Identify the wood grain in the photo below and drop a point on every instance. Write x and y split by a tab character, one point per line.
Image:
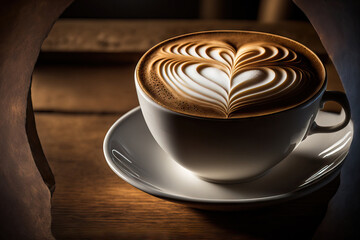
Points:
70	35
113	46
101	88
92	202
24	197
84	88
77	103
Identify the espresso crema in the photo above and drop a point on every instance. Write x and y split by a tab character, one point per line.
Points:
230	74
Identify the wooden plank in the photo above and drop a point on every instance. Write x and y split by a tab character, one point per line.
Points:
70	35
100	88
25	200
108	88
91	88
91	202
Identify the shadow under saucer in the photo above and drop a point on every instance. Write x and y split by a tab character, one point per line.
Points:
134	155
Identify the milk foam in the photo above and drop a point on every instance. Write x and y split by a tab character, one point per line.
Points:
214	74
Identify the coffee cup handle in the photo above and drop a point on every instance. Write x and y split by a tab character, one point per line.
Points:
340	98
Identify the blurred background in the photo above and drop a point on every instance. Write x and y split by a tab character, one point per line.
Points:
120	26
262	10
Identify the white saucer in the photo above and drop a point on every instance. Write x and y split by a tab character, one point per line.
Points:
133	154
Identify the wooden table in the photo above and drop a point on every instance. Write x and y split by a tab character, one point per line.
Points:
82	84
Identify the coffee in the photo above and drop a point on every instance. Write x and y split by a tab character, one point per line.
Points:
230	74
209	77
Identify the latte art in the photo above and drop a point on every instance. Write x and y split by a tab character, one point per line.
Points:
222	79
217	75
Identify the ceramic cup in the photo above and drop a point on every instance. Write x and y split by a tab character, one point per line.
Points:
235	150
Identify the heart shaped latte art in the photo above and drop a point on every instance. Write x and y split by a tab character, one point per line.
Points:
221	77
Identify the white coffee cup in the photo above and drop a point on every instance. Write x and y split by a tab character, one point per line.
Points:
238	149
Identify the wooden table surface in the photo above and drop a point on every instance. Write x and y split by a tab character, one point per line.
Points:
82	84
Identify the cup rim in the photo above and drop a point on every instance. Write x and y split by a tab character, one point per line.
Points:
304	104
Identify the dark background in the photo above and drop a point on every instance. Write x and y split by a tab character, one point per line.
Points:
160	9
